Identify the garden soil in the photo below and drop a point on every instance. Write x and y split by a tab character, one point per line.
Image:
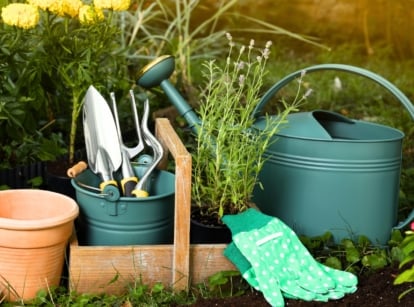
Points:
375	289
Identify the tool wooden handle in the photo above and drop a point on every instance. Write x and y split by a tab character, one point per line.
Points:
76	169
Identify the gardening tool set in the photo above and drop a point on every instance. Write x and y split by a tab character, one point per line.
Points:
339	155
107	154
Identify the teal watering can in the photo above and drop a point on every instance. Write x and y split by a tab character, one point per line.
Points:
324	172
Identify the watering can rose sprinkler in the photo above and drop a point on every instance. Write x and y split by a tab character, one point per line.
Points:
157	72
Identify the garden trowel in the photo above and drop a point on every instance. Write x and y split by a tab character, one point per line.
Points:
101	139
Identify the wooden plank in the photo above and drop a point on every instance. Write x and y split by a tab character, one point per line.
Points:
110	269
206	260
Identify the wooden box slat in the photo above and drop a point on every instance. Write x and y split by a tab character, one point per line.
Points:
110	269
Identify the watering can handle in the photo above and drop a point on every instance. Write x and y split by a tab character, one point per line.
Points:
341	67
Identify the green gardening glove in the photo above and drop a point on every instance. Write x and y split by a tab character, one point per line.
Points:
242	264
279	260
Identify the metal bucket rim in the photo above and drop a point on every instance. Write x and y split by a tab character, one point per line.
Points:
85	191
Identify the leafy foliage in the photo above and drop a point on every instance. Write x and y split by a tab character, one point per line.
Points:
358	257
407	262
23	112
46	71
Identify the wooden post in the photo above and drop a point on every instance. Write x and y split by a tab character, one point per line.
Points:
181	251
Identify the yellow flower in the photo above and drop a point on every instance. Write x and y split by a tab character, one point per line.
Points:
59	7
21	15
89	14
43	4
116	5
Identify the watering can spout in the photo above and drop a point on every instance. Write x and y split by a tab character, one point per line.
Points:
184	109
156	73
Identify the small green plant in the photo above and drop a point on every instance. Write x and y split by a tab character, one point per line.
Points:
229	151
225	283
407	246
355	256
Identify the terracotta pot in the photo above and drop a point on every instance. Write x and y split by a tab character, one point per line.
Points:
35	226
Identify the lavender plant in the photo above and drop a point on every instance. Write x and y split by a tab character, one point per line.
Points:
229	153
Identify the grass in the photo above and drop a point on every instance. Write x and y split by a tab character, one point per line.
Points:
222	284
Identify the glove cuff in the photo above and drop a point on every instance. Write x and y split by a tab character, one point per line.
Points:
246	221
237	258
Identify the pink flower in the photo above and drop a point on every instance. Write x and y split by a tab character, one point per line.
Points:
412	226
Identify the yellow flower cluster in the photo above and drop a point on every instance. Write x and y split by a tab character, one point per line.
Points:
89	14
116	5
21	15
26	15
60	7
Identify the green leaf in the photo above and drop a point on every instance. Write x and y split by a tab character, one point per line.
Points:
114	279
218	279
334	263
404	293
396	254
157	288
352	255
407	259
347	243
374	261
396	238
222	277
408	245
35	181
406	276
363	241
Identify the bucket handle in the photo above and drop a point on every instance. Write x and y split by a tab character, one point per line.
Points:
397	93
341	67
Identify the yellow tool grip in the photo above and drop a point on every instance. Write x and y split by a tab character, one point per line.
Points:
106	183
140	193
128	185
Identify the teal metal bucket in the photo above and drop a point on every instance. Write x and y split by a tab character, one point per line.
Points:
325	172
113	220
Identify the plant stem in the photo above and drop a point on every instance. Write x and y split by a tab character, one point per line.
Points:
76	107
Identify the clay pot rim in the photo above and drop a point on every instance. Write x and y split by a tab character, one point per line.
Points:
43	223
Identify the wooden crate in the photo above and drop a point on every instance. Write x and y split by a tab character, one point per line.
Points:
109	269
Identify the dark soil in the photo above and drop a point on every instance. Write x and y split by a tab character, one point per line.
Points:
376	289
